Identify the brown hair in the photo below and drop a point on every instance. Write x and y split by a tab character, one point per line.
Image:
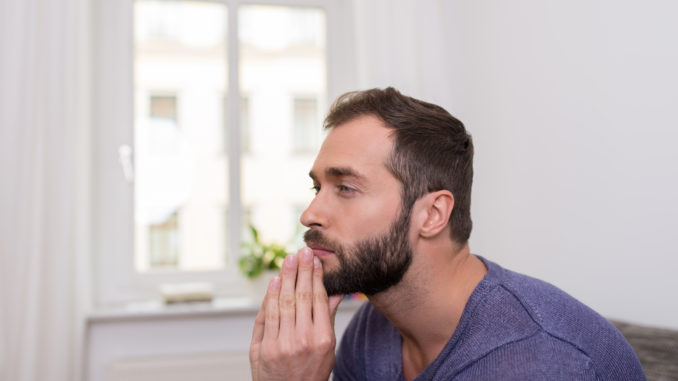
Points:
432	149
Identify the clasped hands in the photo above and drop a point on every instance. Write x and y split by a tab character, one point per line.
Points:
293	336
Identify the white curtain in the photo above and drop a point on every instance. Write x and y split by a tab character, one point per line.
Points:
44	207
405	44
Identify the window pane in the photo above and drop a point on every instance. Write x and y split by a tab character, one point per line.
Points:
305	124
181	169
282	72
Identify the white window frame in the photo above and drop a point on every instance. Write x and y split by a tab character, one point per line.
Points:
116	281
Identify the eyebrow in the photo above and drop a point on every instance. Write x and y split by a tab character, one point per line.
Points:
339	172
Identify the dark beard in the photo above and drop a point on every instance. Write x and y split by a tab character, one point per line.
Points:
370	266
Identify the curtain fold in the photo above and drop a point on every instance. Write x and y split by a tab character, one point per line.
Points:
44	196
405	44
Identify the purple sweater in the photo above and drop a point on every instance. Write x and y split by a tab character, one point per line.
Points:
513	328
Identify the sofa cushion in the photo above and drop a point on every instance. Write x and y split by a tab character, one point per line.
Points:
657	349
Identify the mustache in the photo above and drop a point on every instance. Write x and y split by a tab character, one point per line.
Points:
317	237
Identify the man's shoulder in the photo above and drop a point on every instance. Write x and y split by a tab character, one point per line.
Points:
511	322
559	321
547	307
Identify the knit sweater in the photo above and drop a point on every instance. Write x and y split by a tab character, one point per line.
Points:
513	327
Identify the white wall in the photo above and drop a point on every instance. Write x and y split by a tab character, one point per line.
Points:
574	111
179	342
573	106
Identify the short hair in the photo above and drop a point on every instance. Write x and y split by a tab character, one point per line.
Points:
432	150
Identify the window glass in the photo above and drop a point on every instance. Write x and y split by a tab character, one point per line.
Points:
305	125
181	180
181	172
282	71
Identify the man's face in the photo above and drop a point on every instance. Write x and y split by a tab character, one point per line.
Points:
357	227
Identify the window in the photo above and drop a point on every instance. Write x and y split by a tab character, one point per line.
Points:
305	124
180	187
277	62
245	125
163	107
218	106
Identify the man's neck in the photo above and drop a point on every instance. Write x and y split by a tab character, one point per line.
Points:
427	304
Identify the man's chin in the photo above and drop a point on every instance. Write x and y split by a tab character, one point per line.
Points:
334	285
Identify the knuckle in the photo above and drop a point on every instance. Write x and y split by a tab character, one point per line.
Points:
318	276
326	343
304	345
273	315
290	270
286	352
287	302
320	295
268	353
304	296
306	266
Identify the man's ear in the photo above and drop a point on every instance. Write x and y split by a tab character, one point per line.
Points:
438	208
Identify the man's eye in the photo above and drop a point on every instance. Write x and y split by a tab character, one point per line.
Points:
315	189
345	189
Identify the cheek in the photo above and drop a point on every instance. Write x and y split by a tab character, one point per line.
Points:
371	216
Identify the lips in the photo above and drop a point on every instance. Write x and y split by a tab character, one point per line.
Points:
319	250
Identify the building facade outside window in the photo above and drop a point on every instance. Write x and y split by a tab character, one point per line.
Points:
204	167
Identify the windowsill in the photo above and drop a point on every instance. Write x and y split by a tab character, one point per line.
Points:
158	310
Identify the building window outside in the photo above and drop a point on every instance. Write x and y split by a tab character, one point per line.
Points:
278	62
305	124
163	242
163	107
162	237
182	165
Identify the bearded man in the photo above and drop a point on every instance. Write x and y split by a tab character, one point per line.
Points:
391	218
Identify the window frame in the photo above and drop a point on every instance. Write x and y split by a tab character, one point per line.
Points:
116	281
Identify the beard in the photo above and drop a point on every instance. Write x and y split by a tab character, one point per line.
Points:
369	266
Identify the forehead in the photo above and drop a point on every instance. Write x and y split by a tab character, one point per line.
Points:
362	144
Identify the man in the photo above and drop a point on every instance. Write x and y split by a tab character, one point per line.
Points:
391	219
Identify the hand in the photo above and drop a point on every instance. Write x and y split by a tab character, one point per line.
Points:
293	337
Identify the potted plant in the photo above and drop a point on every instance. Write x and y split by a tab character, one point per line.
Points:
260	262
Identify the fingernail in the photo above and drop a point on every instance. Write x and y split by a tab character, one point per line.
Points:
316	262
275	282
291	260
306	255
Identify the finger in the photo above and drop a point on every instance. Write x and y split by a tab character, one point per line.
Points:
287	296
334	306
304	288
260	321
257	337
272	310
321	318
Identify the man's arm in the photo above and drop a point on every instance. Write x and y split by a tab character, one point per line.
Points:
293	337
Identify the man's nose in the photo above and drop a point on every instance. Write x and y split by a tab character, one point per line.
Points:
314	215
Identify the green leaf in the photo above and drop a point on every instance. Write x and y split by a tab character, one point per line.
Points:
255	233
257	256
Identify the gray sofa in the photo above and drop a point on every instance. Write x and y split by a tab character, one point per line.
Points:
656	348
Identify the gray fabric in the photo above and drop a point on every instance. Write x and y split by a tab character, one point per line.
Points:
656	348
